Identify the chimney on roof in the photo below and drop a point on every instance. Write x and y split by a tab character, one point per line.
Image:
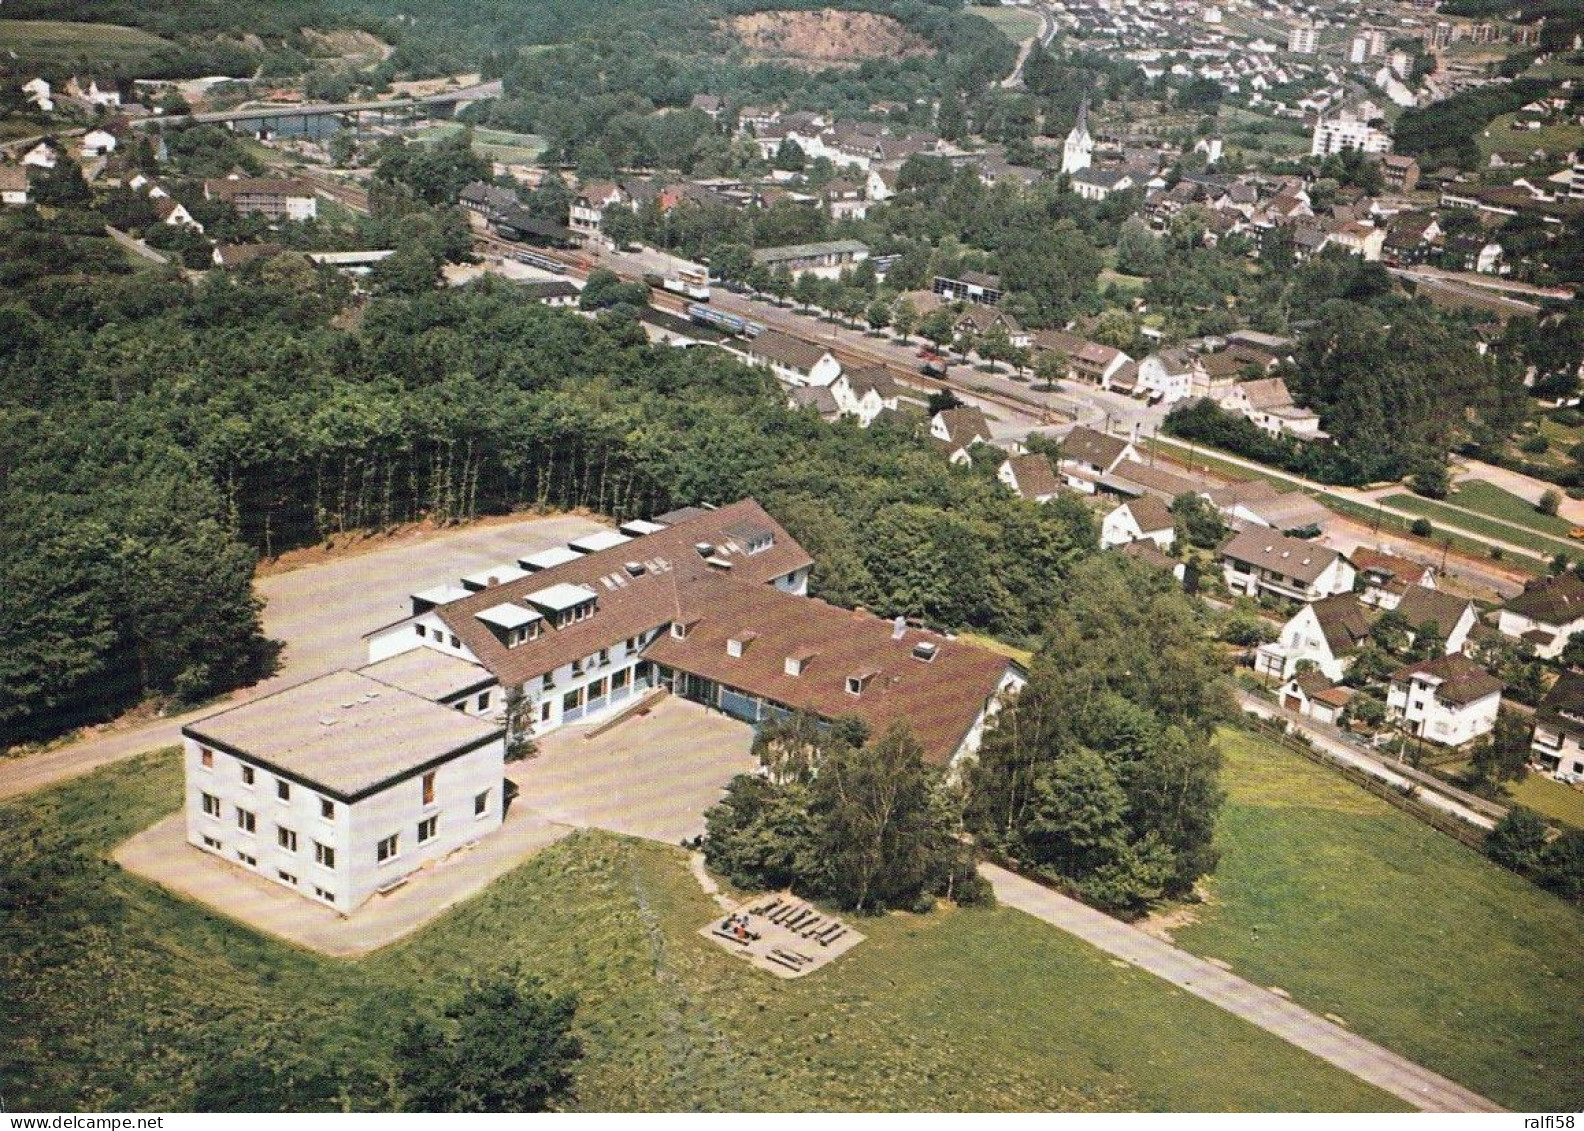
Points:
899	627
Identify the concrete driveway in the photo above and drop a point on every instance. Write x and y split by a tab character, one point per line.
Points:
650	776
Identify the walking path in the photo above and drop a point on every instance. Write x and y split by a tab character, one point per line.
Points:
1264	1008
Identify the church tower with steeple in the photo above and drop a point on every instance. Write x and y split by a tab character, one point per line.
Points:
1077	151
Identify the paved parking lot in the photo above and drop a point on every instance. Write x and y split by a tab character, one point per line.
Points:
651	776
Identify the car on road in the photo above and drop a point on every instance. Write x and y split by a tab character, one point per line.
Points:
928	354
933	369
1576	532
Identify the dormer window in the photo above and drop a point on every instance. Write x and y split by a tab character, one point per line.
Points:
738	644
681	628
858	681
797	663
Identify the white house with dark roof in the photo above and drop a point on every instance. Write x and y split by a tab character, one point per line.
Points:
1558	743
1031	476
1143	519
1088	455
1267	403
1314	696
15	185
1168	375
1449	700
955	431
1326	633
1546	614
1262	561
1447	617
342	786
865	393
793	361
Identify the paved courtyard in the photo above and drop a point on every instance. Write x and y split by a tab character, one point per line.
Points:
651	775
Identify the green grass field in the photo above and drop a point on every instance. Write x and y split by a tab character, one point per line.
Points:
59	42
496	145
121	997
1017	24
1489	499
1481	525
1550	797
1417	942
1559	139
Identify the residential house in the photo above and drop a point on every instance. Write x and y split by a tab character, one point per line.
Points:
41	156
845	200
1100	365
1169	375
1149	554
1546	614
956	430
1399	173
171	211
1449	700
1088	455
865	394
1326	633
550	292
15	185
817	399
586	214
94	92
976	321
1031	476
1356	238
487	200
274	198
1558	744
1143	519
711	104
1216	374
881	184
38	92
1442	615
1258	561
1386	578
98	143
232	256
793	360
1315	697
1267	403
342	786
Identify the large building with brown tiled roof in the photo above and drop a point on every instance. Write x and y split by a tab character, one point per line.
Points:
1449	700
1546	614
709	603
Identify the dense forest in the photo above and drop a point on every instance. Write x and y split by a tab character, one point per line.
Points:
159	435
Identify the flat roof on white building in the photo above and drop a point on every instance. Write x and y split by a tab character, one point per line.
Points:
430	673
562	596
345	733
507	616
638	527
599	540
548	559
442	594
494	575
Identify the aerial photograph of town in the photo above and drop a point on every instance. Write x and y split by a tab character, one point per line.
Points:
791	556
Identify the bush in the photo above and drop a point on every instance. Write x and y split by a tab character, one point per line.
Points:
1549	502
1421	528
1535	445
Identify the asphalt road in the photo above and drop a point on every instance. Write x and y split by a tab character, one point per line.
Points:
320	612
1275	1014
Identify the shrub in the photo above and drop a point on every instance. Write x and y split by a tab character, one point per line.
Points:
1550	501
1535	445
1421	528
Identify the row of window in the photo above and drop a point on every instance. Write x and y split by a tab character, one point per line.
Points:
282	874
438	636
249	775
390	847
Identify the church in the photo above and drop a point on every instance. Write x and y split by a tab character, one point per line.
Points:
1078	150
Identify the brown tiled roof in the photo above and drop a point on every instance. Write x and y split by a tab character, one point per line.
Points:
939	700
236	254
1556	600
1134	475
1069	344
1291	557
1086	445
1034	475
1223	365
645	602
1563	705
1150	514
1265	394
874	377
1422	607
1462	680
13	178
1147	552
783	349
1395	574
965	425
1344	621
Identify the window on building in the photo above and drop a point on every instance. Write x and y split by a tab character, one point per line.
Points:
604	656
327	808
481	804
286	877
206	757
247	775
572	699
455	643
544	711
245	820
387	848
211	842
427	828
283	789
250	861
429	788
286	838
548	683
577	667
484	700
619	678
328	897
211	805
420	630
324	854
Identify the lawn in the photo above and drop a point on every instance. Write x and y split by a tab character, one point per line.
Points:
63	43
1017	24
1489	499
1417	942
130	999
1558	139
1481	525
1551	798
496	145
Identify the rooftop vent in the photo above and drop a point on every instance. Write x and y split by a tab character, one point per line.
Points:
705	549
634	569
899	627
925	650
